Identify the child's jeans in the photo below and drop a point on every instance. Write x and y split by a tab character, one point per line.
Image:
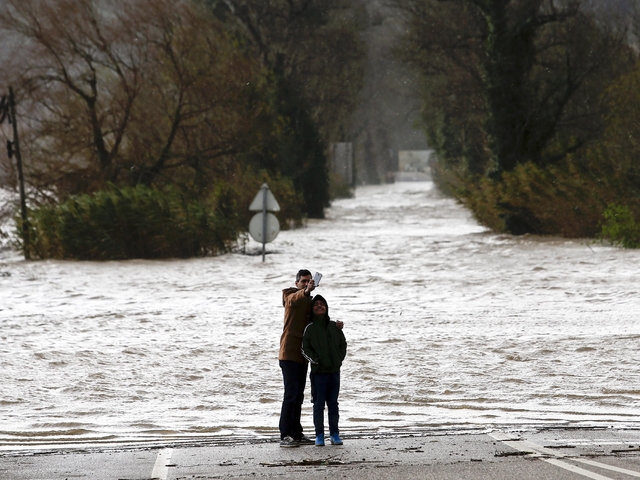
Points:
326	387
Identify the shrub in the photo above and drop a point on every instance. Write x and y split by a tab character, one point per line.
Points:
620	227
564	199
133	222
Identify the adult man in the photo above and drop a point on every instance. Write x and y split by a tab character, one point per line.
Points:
297	310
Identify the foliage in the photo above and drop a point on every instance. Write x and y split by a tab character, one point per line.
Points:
620	227
314	44
314	61
562	199
161	93
132	222
615	157
128	92
571	196
151	113
514	104
295	149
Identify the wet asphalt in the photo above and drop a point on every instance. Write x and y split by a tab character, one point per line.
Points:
558	453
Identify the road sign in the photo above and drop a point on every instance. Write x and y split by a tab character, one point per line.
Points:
261	234
264	201
264	226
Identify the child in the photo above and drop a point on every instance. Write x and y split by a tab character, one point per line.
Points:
324	345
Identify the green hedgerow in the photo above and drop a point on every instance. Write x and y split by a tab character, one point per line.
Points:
620	227
131	222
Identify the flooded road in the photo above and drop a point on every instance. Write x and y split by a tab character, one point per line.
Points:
449	327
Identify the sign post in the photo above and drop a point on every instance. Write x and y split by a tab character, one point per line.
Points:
264	226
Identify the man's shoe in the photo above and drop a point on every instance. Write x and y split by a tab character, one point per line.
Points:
305	440
289	442
335	439
319	440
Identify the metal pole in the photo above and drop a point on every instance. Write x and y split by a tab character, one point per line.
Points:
16	149
264	219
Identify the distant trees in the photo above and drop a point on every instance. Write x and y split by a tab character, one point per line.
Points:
513	89
314	57
313	44
613	162
128	92
176	96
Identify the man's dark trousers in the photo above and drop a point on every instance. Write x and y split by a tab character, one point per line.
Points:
294	375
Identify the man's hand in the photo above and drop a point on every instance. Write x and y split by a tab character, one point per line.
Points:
340	324
311	286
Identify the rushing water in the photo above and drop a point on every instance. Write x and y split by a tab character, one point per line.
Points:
449	327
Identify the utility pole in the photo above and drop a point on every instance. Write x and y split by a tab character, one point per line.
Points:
14	148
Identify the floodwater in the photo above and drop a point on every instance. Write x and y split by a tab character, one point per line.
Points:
449	328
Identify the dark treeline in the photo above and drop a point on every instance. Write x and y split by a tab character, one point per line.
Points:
146	123
530	106
128	107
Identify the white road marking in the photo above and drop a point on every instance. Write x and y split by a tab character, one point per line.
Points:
574	469
160	470
538	450
608	467
501	436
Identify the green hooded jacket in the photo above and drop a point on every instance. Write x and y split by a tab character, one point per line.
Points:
324	344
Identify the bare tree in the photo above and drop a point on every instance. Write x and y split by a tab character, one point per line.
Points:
126	91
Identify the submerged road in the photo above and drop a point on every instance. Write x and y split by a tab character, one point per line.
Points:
599	454
449	326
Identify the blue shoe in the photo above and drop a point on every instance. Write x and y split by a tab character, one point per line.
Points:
319	440
335	439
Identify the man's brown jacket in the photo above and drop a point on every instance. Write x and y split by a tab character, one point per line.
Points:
296	317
